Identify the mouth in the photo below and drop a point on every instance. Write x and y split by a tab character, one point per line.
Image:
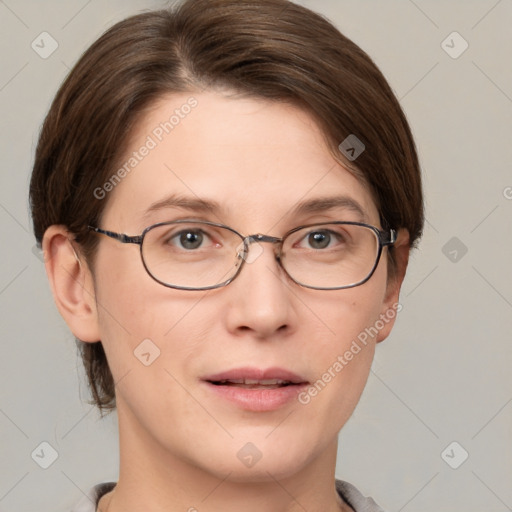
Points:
256	389
254	383
250	377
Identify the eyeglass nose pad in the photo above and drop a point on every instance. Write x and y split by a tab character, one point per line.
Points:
246	252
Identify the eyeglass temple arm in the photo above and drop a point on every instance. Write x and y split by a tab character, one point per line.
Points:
125	239
387	237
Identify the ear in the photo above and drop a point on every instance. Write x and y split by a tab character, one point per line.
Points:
71	283
391	305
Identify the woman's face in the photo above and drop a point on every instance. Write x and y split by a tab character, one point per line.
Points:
255	166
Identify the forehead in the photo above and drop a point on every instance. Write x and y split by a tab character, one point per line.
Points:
255	160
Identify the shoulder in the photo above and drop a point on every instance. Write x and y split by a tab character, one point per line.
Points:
355	499
90	501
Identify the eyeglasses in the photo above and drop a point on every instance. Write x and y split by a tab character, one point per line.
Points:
201	255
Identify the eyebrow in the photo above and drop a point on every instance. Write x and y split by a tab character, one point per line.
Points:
187	203
318	205
324	204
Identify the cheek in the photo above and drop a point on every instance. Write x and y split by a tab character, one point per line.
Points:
138	316
348	351
152	336
346	315
344	346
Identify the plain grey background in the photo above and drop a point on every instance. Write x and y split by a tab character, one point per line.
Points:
443	376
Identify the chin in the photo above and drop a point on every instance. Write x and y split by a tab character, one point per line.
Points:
269	470
259	459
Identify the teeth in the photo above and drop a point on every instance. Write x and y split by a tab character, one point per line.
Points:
251	381
265	382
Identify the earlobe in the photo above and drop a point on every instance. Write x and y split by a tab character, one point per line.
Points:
391	304
71	283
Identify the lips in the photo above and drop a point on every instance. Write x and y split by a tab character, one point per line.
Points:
255	378
254	383
254	389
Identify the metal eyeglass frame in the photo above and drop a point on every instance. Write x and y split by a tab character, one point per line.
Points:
385	238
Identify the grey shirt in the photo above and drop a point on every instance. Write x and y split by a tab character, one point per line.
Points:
346	491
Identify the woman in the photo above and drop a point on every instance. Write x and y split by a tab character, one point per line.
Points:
226	194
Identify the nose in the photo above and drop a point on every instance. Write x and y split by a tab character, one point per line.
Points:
261	301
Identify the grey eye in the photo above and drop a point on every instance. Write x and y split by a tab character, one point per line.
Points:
191	239
319	239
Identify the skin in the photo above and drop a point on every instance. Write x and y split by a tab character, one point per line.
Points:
178	442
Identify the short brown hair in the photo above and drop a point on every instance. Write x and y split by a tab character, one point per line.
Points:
271	49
